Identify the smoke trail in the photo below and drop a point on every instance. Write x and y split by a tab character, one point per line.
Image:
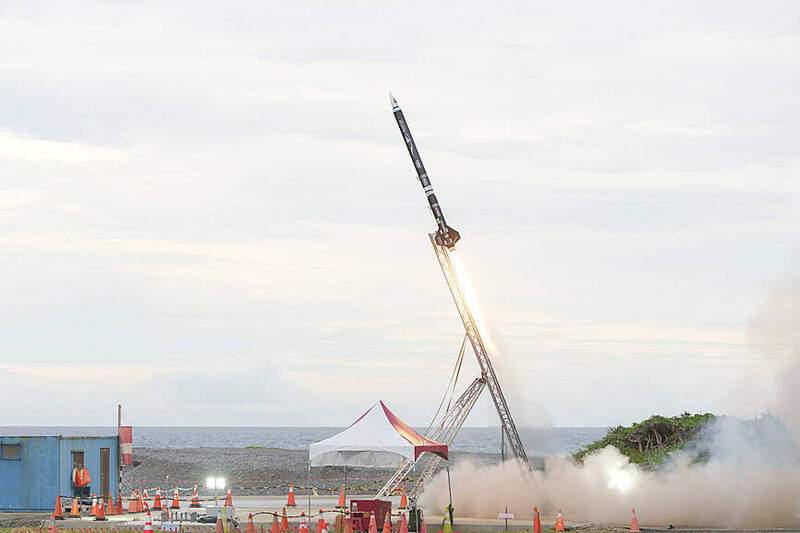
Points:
775	333
751	478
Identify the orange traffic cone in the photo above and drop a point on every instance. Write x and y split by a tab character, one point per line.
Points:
403	524
320	522
219	528
119	510
101	510
341	504
195	498
58	513
303	528
93	512
290	501
403	499
373	526
145	497
229	498
634	522
141	505
422	527
250	528
276	528
75	512
560	522
176	501
324	527
387	523
537	522
157	500
132	503
284	521
148	524
110	509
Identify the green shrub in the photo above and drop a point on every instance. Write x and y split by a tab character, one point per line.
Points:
650	442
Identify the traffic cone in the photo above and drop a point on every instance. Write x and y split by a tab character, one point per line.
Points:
634	522
219	528
537	523
145	497
447	527
58	513
403	524
101	510
250	528
119	509
110	509
290	501
148	523
422	527
176	501
132	503
229	498
303	528
341	504
75	512
226	520
276	528
403	499
387	523
51	525
141	505
195	498
324	527
157	500
284	521
373	526
320	522
93	512
560	522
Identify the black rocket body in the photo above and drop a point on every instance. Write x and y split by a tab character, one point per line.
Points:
445	235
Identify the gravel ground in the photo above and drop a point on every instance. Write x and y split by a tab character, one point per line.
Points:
253	471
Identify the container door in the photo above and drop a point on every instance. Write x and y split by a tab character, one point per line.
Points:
104	472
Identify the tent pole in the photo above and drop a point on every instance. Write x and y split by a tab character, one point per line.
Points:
345	486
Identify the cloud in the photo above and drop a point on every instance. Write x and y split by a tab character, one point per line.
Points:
29	148
193	182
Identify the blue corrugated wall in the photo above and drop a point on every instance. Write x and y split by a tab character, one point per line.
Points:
28	483
44	470
91	460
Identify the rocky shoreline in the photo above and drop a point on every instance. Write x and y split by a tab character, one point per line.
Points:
255	470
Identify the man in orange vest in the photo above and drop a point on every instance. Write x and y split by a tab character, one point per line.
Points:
81	480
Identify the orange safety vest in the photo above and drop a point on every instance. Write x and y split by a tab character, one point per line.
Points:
80	477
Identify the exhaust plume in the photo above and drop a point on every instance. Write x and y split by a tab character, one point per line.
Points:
750	476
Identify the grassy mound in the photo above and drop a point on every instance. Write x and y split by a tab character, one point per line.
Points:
650	442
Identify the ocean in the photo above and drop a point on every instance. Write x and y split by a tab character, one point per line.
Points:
540	442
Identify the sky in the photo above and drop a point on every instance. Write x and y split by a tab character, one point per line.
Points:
207	212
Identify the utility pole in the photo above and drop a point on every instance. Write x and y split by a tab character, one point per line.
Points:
119	450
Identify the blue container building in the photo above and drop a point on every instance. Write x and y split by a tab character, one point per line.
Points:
35	470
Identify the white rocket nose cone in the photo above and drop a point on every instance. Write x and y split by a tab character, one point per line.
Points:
393	101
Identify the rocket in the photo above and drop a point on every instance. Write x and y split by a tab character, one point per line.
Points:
445	235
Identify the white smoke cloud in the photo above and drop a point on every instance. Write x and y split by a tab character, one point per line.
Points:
750	475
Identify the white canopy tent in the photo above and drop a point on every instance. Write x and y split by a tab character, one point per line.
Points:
378	439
